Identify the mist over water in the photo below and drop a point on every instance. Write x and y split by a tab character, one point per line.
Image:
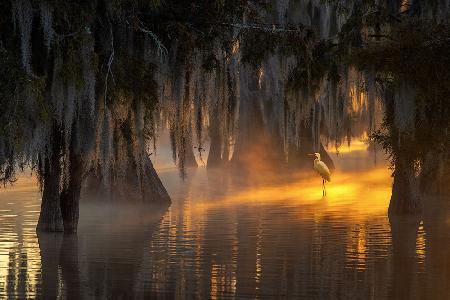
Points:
227	236
173	141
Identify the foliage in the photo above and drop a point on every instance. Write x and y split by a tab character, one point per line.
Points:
418	53
80	60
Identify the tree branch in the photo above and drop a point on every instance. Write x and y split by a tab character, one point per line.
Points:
162	50
273	28
110	61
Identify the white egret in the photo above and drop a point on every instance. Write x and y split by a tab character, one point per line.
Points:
323	170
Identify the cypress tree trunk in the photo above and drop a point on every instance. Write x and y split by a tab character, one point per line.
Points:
134	178
70	197
140	183
405	197
153	189
50	218
435	173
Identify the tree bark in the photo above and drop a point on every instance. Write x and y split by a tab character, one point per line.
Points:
435	175
70	197
131	188
153	191
405	196
50	218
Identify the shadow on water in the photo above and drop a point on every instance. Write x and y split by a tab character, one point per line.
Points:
104	260
421	268
404	236
436	222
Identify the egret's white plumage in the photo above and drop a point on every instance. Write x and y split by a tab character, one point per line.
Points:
322	169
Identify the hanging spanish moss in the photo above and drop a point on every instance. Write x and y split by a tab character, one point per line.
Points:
94	84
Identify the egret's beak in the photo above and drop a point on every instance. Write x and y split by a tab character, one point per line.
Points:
311	154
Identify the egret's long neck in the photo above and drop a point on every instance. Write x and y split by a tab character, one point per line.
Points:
316	161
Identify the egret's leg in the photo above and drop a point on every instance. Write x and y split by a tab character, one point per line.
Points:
323	188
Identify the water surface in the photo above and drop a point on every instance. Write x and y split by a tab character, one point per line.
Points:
227	235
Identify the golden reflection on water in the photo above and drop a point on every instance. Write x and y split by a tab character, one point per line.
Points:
19	251
232	237
421	246
366	191
284	207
